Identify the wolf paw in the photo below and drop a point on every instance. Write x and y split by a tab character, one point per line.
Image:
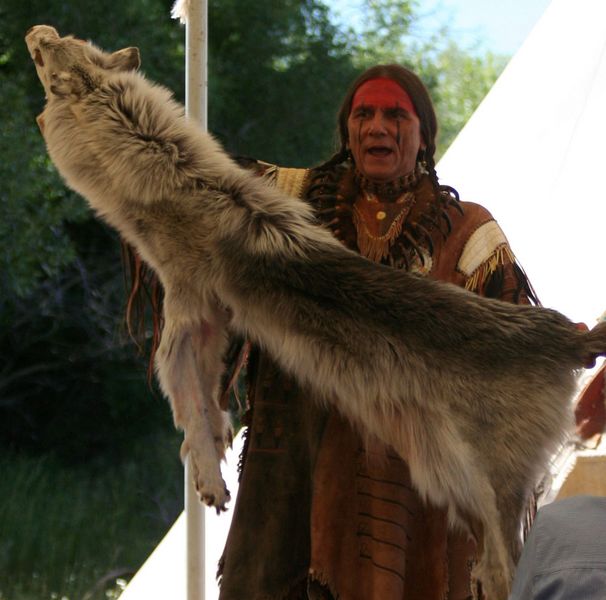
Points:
206	473
223	441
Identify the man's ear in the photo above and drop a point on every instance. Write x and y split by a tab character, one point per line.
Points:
127	59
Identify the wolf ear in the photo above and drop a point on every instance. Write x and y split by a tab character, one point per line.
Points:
126	59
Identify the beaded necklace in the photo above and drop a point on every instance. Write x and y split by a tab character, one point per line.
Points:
415	210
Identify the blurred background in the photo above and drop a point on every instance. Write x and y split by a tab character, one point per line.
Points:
90	475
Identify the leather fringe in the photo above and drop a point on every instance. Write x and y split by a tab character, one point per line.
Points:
477	280
377	247
320	588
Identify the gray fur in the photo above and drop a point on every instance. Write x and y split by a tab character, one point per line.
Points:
473	393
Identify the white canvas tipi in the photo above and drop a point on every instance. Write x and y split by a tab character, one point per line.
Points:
534	154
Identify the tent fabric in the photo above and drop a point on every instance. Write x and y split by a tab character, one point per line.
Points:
533	154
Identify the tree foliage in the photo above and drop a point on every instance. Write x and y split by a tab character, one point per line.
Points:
462	81
70	381
277	72
274	68
457	77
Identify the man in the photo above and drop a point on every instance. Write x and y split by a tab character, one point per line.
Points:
322	512
564	557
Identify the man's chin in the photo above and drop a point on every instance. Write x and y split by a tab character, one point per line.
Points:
380	174
382	171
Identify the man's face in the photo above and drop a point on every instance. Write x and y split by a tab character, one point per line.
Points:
384	130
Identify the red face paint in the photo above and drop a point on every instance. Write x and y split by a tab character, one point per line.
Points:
383	130
382	93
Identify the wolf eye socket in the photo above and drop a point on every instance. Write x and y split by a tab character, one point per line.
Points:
38	58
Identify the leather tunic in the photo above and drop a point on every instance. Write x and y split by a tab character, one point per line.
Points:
322	513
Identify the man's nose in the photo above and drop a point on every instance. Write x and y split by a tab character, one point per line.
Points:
377	124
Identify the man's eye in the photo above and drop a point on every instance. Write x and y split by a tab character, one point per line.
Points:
396	114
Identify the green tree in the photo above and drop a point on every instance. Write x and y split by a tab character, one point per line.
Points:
35	207
276	73
68	377
462	80
62	339
383	31
458	78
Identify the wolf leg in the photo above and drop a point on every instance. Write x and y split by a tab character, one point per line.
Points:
195	410
512	505
477	507
208	343
446	471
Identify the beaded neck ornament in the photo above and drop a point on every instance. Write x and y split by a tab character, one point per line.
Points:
403	236
380	211
388	191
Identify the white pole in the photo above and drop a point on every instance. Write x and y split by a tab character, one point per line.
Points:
196	92
196	62
194	539
195	14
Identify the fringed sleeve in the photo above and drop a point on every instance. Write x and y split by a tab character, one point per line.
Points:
491	269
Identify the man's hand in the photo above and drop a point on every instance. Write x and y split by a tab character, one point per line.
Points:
590	411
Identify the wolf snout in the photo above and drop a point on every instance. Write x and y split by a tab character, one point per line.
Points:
35	34
35	37
48	29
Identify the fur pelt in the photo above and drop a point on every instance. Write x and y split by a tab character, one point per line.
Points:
473	393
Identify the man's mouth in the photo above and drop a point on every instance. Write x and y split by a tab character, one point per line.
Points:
379	151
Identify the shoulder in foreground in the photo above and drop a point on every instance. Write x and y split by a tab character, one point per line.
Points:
476	213
487	262
292	181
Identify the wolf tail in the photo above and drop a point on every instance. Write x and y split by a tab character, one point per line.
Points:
595	341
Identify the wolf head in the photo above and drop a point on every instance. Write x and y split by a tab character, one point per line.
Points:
55	57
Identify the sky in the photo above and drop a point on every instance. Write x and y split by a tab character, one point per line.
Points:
500	26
